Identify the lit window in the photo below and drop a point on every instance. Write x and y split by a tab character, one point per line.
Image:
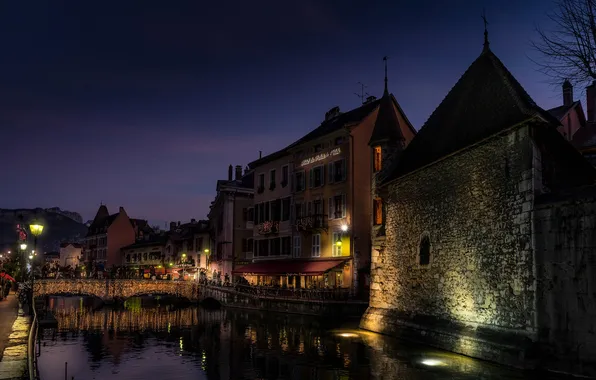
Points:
336	243
378	157
378	211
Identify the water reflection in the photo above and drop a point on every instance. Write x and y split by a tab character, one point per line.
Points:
153	338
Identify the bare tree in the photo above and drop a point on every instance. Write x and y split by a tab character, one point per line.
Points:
568	51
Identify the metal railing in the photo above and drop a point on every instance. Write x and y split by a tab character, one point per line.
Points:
31	347
323	294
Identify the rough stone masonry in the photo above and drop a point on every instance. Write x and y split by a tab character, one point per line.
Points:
510	278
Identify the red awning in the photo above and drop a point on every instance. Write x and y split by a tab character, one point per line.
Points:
309	268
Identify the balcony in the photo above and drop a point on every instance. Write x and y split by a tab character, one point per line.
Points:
311	223
269	227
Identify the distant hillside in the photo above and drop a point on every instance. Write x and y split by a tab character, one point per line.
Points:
72	215
57	227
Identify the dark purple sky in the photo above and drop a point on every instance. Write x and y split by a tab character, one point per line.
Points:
143	106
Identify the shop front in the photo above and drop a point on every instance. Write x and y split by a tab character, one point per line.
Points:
297	273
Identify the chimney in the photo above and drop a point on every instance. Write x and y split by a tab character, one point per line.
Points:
260	154
567	93
172	226
590	101
178	223
121	209
370	99
193	221
333	112
230	173
238	172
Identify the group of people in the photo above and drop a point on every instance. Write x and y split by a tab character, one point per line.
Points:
6	282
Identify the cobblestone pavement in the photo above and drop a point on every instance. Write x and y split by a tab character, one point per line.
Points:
14	331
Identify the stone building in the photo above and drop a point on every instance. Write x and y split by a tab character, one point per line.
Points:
229	223
489	248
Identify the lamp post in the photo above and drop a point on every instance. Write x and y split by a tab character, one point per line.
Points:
36	229
183	265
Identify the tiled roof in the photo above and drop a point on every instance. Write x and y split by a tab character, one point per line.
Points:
487	99
338	122
326	127
76	245
560	111
156	240
387	126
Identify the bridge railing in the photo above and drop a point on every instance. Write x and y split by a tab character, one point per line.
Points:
338	294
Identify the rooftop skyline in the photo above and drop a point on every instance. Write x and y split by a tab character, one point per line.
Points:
145	107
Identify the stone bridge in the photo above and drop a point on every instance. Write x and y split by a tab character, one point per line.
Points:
117	290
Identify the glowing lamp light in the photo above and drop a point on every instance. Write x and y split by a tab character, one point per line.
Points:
23	246
36	229
344	227
348	335
184	255
9	252
171	264
32	251
1	256
30	257
206	250
432	362
338	243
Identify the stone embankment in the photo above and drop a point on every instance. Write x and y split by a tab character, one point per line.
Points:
14	334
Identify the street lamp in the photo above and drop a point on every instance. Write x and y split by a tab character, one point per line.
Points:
36	229
183	265
23	246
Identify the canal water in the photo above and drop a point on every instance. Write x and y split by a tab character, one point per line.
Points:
152	339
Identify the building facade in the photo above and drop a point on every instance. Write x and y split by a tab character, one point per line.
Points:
106	236
271	213
230	224
71	254
330	175
484	233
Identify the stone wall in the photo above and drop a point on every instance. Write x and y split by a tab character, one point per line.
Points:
566	272
476	208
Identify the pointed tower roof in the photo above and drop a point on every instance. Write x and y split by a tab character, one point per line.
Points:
486	100
387	128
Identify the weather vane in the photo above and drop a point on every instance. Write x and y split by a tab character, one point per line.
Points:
485	28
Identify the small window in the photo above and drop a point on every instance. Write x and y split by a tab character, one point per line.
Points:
336	243
378	211
377	159
272	179
297	246
300	181
285	175
339	140
316	245
317	176
424	257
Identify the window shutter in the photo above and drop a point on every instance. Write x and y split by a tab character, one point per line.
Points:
343	206
309	209
331	210
343	169
310	178
330	172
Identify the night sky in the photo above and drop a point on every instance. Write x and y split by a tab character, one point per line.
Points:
144	106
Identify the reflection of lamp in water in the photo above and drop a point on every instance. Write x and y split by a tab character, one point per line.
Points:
432	362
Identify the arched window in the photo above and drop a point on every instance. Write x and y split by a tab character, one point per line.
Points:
424	256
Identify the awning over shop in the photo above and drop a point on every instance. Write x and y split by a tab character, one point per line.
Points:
308	268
